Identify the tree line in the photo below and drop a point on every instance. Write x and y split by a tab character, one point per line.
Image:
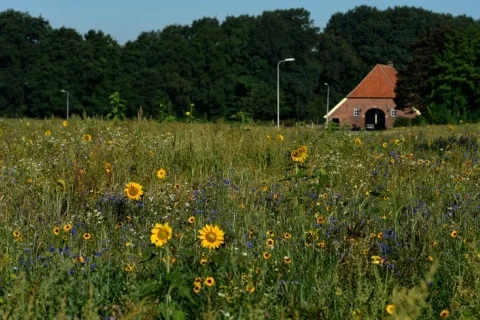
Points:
228	69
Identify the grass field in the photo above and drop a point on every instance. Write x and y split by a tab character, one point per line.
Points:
371	225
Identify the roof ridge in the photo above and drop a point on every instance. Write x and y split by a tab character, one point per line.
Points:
358	85
386	76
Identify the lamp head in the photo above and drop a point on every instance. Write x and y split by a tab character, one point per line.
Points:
290	59
326	84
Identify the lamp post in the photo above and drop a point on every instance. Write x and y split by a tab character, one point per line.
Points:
278	89
68	100
328	100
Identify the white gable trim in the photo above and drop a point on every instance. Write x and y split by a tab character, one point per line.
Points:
335	108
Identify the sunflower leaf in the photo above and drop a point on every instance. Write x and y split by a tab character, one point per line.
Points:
149	252
184	291
175	278
187	252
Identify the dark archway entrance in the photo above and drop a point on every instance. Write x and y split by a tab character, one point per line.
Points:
375	119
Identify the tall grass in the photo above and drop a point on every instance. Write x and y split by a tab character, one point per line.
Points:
368	220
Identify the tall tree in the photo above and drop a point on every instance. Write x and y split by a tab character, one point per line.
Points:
20	38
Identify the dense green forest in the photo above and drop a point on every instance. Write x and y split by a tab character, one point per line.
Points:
217	69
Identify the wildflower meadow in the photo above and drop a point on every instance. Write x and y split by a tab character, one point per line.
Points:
144	220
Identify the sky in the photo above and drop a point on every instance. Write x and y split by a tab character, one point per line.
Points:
124	20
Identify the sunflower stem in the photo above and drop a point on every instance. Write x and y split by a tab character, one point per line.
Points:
167	298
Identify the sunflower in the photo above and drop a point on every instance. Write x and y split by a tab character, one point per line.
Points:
203	261
108	167
87	137
87	236
358	142
191	219
321	220
197	288
48	133
385	145
119	225
17	234
79	259
211	236
250	288
161	234
67	227
129	268
444	314
198	281
391	309
287	260
299	154
209	281
161	173
280	137
377	259
287	236
133	191
454	233
65	123
270	242
267	255
56	230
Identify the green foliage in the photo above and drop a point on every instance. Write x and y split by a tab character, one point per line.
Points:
117	106
442	77
229	67
402	122
365	221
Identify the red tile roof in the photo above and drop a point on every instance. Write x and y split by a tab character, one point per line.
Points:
379	83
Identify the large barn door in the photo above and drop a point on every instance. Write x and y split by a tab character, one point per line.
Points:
375	119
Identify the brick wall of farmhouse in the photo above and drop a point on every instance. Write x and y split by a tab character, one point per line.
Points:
345	113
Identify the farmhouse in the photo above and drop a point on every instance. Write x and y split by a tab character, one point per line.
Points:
370	105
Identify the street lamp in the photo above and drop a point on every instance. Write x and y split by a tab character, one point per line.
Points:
278	89
328	100
68	99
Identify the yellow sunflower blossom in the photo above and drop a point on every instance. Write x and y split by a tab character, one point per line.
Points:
133	191
161	173
211	236
161	233
391	309
209	281
299	154
444	314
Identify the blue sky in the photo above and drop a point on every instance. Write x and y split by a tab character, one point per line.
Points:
125	19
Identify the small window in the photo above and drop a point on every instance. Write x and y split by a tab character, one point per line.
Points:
393	113
356	112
